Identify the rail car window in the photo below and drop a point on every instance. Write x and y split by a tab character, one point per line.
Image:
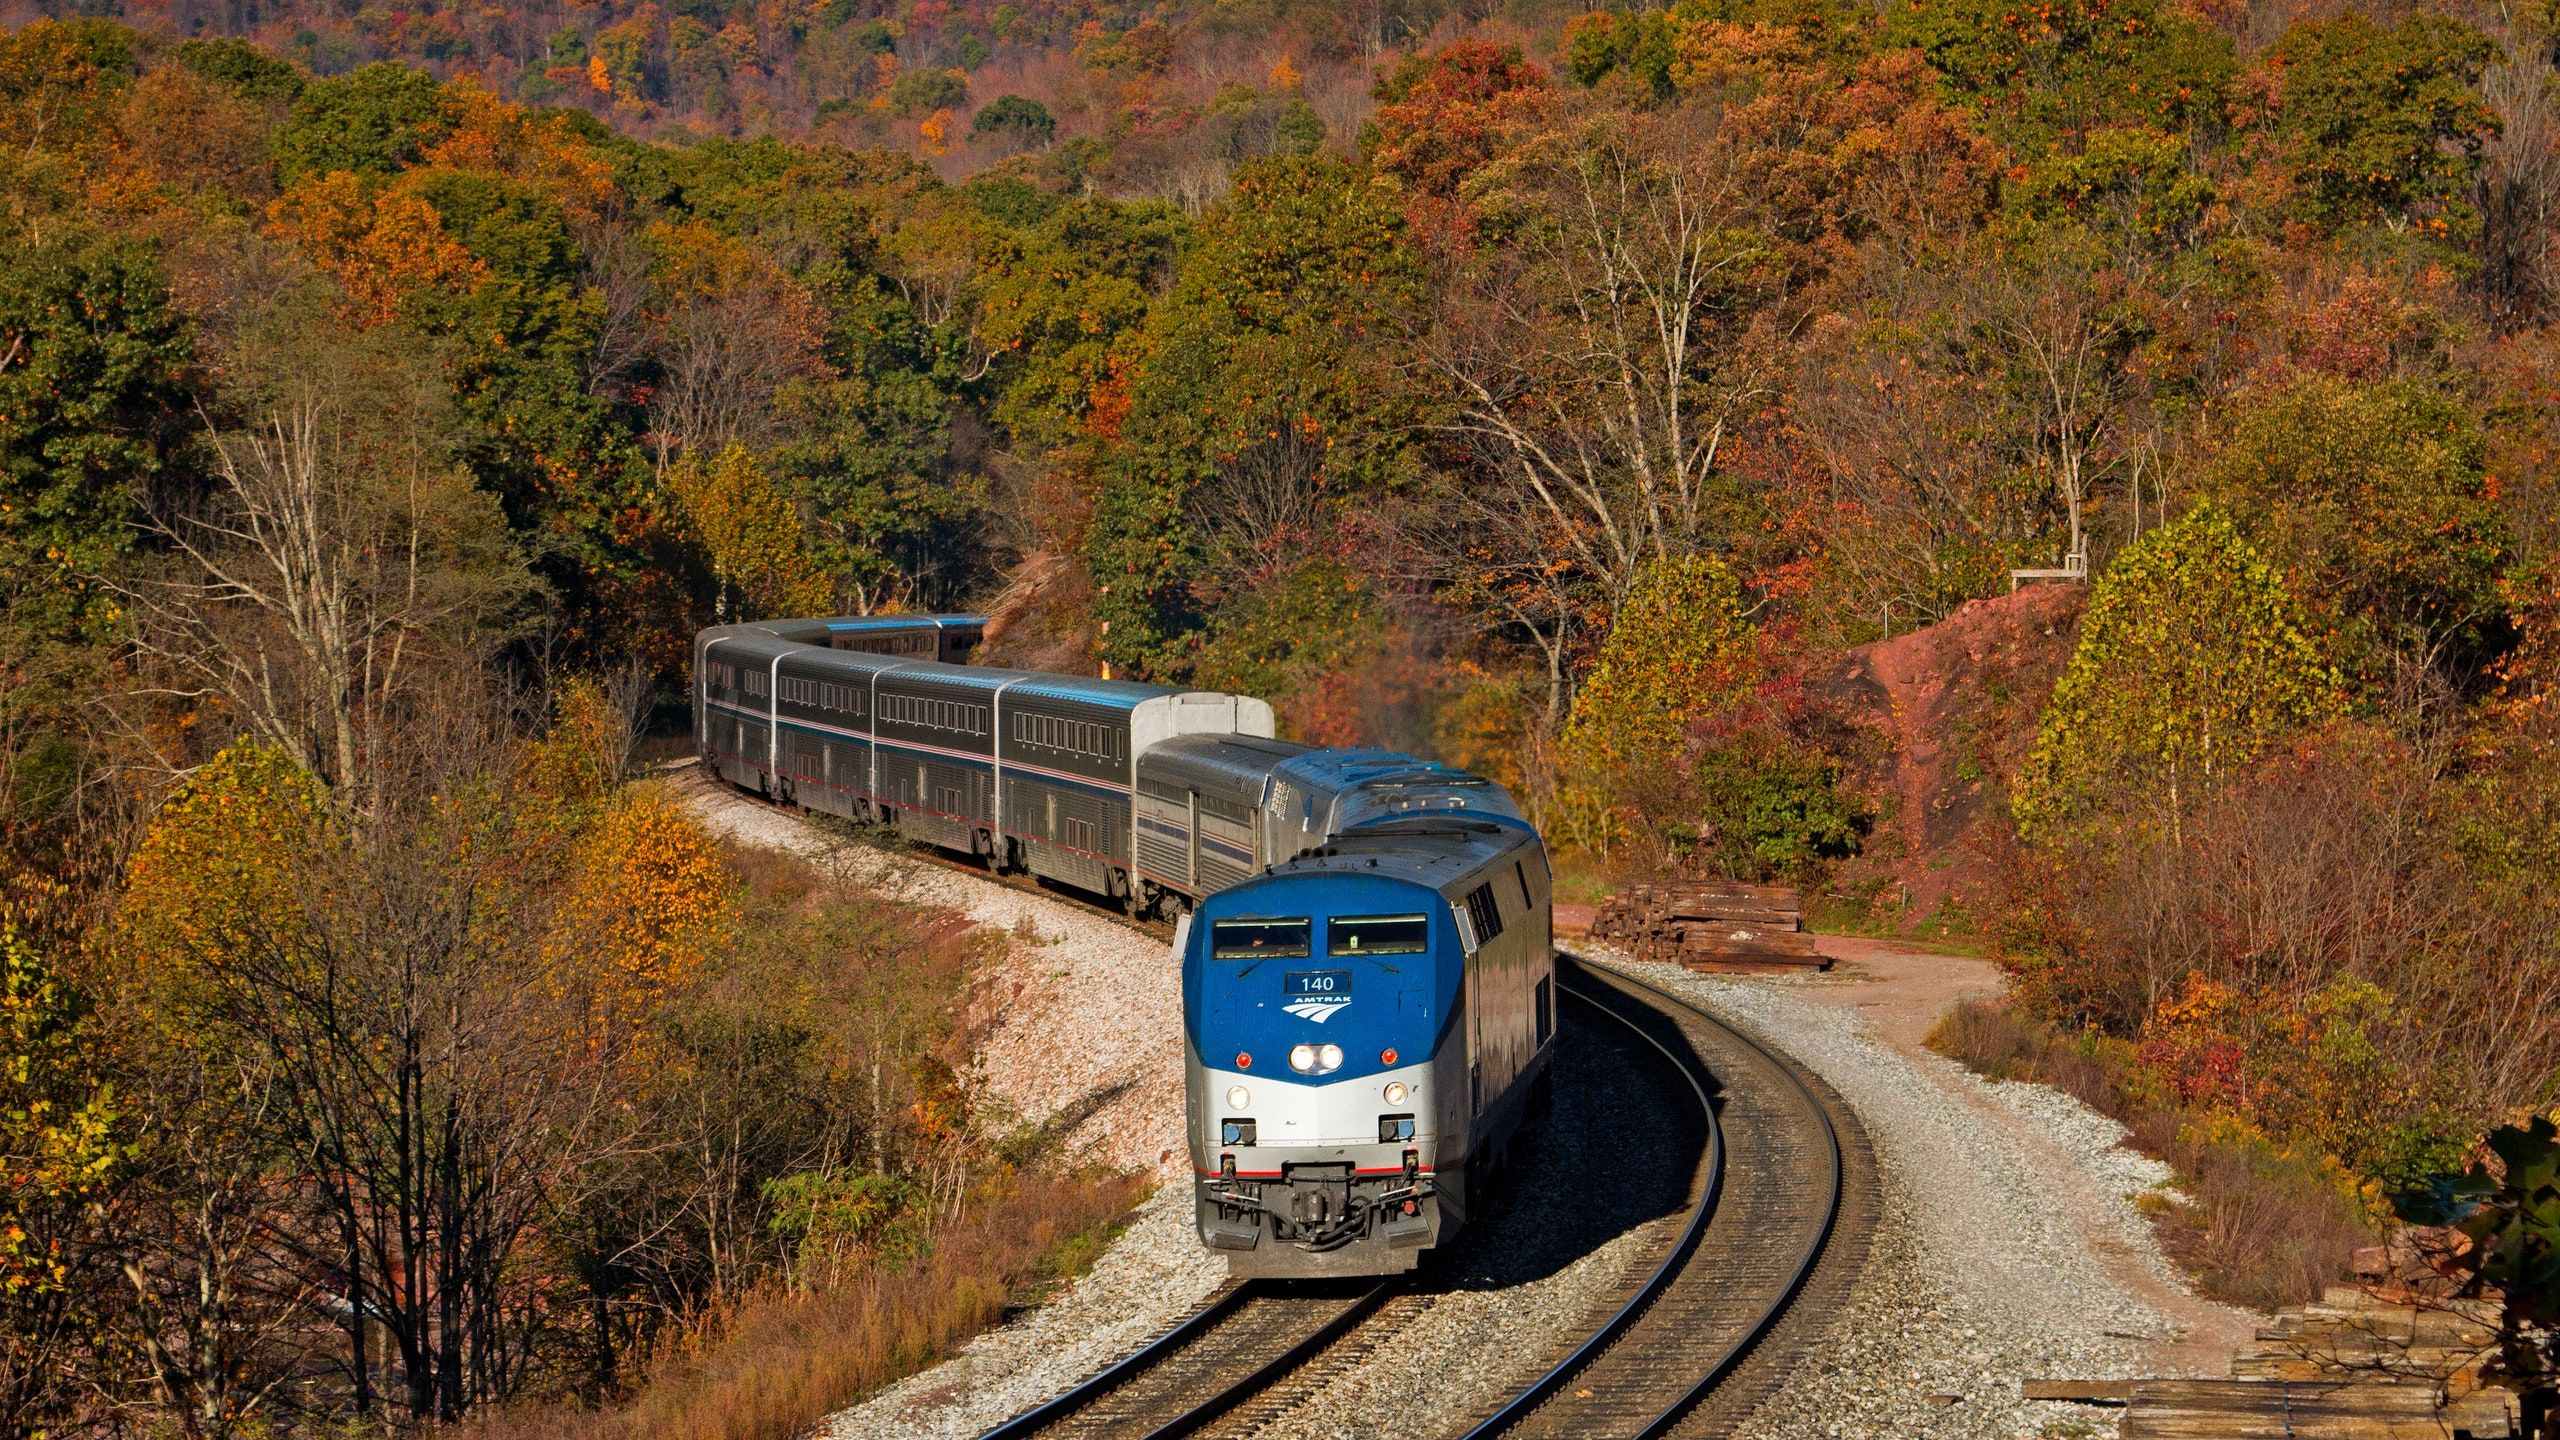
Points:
1259	939
755	682
1377	935
1483	909
935	714
1080	737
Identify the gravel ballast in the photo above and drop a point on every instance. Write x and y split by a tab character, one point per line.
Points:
1986	1268
2009	1245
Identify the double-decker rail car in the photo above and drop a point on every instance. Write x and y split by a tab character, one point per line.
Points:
1028	771
1365	1026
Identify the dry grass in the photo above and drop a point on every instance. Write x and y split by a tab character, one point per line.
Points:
2265	1226
778	1361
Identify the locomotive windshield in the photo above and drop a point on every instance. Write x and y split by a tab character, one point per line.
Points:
1259	939
1377	935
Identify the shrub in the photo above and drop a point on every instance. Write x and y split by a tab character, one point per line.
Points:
2265	1224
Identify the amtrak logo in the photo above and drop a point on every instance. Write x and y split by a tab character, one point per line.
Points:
1318	1008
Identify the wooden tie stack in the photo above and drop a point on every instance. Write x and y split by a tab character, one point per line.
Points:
1710	925
2352	1367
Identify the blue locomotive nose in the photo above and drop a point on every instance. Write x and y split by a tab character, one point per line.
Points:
1320	997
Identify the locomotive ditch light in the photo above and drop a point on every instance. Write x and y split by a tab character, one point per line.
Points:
1395	1129
1394	1093
1238	1097
1235	1132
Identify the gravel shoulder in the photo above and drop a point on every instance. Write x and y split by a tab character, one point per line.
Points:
2009	1245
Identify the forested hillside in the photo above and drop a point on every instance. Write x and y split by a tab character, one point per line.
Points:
386	396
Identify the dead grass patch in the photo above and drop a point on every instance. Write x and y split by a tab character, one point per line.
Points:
778	1361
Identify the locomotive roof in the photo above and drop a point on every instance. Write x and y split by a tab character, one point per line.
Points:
1436	851
1239	760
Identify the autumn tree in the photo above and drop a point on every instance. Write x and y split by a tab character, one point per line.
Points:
2376	500
342	559
753	535
2192	661
1603	346
63	1144
731	331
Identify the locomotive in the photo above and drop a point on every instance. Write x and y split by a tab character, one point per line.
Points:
1366	1025
1364	936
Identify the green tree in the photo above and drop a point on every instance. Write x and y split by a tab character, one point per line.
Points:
240	67
90	404
1059	301
1264	404
2130	187
2384	125
375	121
2376	501
2192	661
2073	66
1016	116
921	92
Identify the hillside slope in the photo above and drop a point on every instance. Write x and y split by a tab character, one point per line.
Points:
1954	708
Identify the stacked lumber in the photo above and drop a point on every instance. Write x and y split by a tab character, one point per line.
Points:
1710	925
2354	1366
2311	1410
2352	1332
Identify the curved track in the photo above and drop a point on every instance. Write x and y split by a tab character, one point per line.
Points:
1680	1347
1765	1203
1769	1202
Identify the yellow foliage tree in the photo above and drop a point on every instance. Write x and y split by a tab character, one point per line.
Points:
492	135
752	534
223	866
1677	653
648	904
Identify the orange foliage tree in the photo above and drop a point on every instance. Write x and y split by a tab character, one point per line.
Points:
381	245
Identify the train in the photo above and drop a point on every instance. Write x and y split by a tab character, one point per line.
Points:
1364	936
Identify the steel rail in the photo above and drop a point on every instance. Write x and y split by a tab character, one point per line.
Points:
1722	1366
1198	1322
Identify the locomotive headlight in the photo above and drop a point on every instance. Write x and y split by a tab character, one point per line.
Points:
1238	1097
1302	1058
1331	1055
1395	1092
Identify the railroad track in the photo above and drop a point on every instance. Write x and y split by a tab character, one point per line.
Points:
1684	1344
1765	1203
1769	1202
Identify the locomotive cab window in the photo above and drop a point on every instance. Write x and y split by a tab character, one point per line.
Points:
1377	935
1259	939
